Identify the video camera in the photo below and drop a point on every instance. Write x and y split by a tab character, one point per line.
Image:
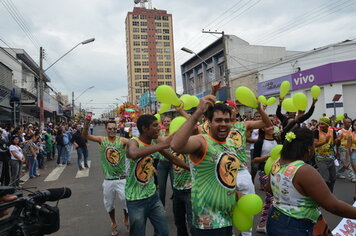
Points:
30	215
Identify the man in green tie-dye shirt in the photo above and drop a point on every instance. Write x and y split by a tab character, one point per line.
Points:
141	197
214	167
112	160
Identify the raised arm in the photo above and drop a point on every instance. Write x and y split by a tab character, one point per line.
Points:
88	136
134	152
307	115
307	178
279	114
265	122
183	141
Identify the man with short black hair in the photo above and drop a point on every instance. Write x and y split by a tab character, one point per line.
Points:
112	160
214	168
142	199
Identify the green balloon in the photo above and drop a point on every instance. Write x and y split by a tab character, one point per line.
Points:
158	117
164	107
288	105
243	222
315	91
284	89
250	204
262	100
246	97
166	94
176	123
300	101
271	101
268	165
276	151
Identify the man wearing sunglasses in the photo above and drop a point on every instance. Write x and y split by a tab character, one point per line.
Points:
112	159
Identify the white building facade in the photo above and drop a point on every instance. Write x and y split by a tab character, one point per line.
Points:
332	68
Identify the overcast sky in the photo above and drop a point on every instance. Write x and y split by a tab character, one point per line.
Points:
57	26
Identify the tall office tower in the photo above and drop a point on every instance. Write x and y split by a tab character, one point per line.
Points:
150	51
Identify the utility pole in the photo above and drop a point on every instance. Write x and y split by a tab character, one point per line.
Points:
73	104
41	86
226	70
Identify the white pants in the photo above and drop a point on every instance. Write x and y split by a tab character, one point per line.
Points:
245	186
111	189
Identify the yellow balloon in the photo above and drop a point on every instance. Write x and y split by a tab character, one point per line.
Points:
276	152
246	97
187	101
158	117
284	89
196	101
315	91
166	94
268	165
262	100
250	204
288	105
164	107
300	101
271	101
218	102
340	117
176	123
242	221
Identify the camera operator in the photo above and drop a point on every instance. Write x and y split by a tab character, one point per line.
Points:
7	198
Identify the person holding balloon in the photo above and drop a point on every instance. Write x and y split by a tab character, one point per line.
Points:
214	168
296	199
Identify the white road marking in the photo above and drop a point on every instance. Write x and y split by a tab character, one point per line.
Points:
54	175
84	172
25	178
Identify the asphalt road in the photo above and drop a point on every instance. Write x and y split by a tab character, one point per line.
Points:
84	214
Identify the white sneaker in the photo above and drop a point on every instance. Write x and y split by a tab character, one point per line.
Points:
353	180
341	177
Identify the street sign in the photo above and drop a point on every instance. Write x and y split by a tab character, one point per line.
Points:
336	97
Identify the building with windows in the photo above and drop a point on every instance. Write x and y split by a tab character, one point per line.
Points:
230	59
150	51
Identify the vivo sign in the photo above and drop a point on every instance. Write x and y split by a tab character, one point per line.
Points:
325	74
304	79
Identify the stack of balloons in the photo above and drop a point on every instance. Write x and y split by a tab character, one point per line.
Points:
273	156
246	207
168	98
299	101
246	97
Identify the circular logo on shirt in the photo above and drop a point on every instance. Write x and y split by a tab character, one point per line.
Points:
226	169
206	127
176	168
112	156
144	169
236	137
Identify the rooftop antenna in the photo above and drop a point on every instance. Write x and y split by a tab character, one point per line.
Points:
142	3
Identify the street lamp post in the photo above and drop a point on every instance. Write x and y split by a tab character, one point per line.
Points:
187	50
78	98
42	71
